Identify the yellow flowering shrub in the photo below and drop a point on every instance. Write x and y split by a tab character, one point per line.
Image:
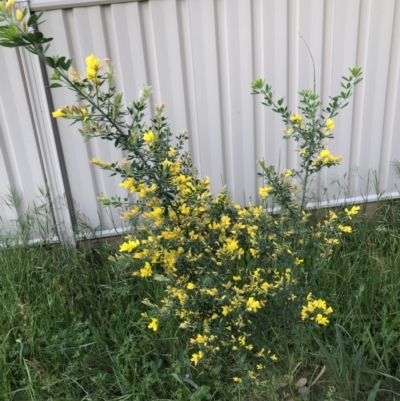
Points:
233	274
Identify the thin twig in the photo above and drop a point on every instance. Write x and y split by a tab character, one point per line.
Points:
312	58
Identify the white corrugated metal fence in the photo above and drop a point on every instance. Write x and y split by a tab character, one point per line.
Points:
200	57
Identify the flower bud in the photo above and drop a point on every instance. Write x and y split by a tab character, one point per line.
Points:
19	15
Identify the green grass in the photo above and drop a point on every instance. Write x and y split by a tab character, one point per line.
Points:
71	329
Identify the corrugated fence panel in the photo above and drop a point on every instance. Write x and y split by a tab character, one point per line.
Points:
21	172
79	33
200	57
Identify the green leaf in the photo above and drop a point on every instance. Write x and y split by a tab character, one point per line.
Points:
60	61
46	40
55	86
50	62
8	44
34	18
67	64
31	37
176	377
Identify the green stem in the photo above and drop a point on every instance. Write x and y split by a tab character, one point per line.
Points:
305	180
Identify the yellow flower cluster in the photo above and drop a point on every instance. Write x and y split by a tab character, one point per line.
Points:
287	131
196	357
149	137
264	192
329	125
352	212
345	229
92	68
129	246
193	244
146	271
153	324
316	310
325	158
127	214
297	120
72	112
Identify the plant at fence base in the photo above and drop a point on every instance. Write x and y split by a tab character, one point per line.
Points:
232	274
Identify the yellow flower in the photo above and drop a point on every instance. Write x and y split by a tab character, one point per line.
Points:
93	66
130	184
129	246
237	379
196	357
332	241
260	353
345	229
153	324
59	113
325	153
231	245
200	339
252	305
274	357
322	320
213	292
264	192
332	216
298	261
325	157
19	15
352	212
254	252
84	114
329	125
130	213
93	62
146	271
252	375
184	209
74	74
226	309
236	278
149	136
191	286
297	120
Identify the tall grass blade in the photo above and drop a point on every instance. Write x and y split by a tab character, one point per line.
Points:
374	392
